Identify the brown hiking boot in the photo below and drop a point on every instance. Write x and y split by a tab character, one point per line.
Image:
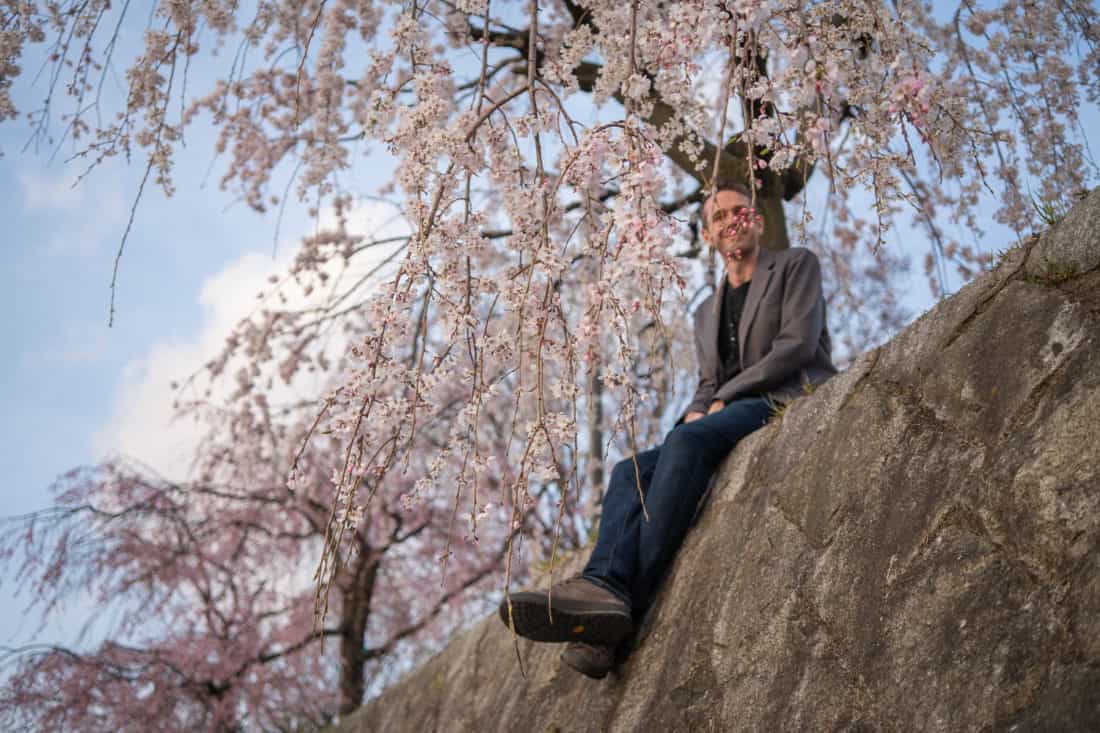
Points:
591	660
574	610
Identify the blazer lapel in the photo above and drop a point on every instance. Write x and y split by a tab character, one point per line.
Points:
761	276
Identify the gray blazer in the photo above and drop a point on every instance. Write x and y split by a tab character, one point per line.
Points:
783	337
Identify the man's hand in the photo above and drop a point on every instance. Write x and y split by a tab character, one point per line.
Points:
693	415
715	406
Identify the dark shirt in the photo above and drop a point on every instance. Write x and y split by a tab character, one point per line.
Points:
733	302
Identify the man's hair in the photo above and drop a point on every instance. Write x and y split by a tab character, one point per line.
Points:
723	183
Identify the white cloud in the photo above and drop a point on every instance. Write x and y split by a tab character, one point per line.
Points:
69	227
41	192
144	425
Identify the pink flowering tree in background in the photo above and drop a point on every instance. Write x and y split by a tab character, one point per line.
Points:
547	159
217	624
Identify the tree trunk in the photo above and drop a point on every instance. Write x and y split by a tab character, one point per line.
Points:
775	222
733	162
594	417
356	612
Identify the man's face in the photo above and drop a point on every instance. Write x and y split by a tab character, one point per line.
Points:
731	225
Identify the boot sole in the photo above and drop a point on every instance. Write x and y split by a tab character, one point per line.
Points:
533	621
595	671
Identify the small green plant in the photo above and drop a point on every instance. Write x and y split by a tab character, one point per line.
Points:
778	410
1056	274
593	532
542	565
1050	211
1002	254
1053	210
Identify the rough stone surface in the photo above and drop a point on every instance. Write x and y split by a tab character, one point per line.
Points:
914	547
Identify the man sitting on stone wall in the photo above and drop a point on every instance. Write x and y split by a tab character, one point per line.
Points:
761	341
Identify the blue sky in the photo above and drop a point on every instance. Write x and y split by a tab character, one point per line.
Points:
73	390
66	371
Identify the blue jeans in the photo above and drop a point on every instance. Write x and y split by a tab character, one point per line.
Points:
632	553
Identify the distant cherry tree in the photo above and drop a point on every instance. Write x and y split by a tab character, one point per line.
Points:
218	625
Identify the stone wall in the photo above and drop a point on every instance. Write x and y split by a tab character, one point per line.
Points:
915	547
